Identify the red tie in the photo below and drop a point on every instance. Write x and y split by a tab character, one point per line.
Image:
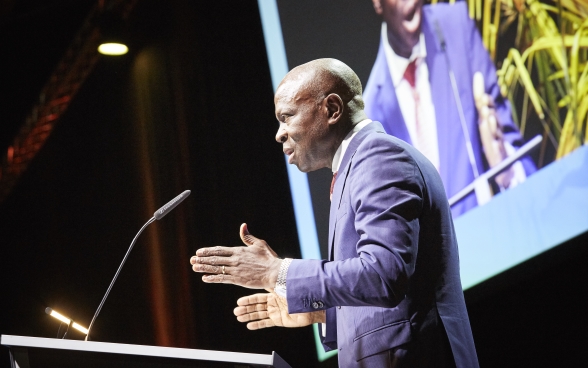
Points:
410	76
423	136
410	73
332	185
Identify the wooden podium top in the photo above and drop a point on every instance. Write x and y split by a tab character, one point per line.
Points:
36	352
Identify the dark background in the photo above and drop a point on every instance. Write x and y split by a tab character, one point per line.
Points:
191	107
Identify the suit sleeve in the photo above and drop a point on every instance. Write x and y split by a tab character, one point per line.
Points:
377	230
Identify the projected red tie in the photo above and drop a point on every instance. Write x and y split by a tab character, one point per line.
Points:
332	185
423	139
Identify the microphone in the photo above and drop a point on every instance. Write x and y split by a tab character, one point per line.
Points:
158	215
464	128
170	205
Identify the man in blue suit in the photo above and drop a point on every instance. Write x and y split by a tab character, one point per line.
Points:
437	39
390	293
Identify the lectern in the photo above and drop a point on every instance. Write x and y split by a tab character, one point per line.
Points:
36	352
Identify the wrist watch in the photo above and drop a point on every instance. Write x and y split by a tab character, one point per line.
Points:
280	288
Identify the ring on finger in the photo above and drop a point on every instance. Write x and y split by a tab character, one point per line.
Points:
223	269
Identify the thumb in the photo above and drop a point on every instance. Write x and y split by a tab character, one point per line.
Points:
478	86
247	238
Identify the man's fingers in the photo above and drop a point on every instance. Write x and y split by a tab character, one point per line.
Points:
493	124
484	112
255	316
203	268
258	325
260	298
214	260
252	308
250	240
478	85
226	279
219	279
215	251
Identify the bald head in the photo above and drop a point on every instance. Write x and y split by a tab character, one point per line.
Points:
321	77
317	104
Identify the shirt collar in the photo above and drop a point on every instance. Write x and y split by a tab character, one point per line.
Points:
343	147
397	64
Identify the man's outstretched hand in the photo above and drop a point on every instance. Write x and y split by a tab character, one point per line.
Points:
254	266
490	130
269	310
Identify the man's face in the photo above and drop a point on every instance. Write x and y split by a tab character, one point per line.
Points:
403	19
304	129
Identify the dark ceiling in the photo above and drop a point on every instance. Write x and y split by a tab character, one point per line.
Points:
34	35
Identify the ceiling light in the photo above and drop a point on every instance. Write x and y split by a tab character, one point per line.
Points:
113	48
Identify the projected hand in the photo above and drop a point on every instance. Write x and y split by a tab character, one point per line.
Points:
255	266
490	130
269	310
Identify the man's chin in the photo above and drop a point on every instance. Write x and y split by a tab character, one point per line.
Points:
303	168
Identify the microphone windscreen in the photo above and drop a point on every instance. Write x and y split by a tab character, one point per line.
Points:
170	205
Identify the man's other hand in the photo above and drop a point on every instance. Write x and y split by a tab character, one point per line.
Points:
269	310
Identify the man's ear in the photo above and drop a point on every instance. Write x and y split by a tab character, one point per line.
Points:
378	6
335	107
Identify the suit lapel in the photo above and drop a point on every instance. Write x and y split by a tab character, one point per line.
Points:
342	177
441	93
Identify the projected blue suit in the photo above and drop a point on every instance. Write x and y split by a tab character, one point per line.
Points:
467	55
392	290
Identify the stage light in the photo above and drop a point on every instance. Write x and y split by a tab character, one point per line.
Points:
66	320
113	48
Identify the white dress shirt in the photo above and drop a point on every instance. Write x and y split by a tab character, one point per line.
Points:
343	147
426	119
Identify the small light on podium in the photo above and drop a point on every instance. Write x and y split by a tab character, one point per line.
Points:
66	320
79	328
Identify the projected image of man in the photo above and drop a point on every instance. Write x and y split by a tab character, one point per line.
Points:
411	93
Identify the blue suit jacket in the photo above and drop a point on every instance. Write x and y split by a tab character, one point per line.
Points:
393	269
467	55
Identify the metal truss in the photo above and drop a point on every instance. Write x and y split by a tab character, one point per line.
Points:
66	80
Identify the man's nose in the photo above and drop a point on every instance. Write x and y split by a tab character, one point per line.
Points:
281	136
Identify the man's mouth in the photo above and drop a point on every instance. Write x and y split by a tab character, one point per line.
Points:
412	19
289	152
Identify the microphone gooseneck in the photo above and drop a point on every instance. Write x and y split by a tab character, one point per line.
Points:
156	216
464	127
